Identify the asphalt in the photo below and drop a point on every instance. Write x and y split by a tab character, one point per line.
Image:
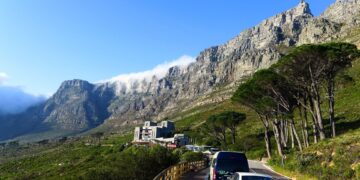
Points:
200	175
255	166
260	168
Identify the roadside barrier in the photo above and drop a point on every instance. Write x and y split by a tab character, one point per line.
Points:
175	172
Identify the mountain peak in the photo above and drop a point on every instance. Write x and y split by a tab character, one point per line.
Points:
344	12
345	1
302	8
75	83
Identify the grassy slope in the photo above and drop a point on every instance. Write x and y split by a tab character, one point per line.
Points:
66	160
336	158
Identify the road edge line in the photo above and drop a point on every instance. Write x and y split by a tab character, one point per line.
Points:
268	167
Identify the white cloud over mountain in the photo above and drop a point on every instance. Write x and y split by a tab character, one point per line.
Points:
14	99
159	71
130	80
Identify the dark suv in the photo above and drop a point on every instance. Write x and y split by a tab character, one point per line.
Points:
225	164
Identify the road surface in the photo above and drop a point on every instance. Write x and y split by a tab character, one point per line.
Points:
255	166
261	168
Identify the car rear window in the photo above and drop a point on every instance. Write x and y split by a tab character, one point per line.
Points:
255	178
232	162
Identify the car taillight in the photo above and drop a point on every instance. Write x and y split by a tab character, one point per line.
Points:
214	174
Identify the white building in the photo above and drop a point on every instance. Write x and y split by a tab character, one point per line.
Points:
153	133
178	140
152	130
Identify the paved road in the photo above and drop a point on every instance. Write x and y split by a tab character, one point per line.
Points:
255	166
200	175
261	168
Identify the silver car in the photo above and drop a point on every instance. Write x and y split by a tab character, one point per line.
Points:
250	176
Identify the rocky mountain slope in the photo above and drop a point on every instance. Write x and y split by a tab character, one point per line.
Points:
79	105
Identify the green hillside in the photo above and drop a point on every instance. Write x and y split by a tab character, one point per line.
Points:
70	159
337	157
108	156
326	159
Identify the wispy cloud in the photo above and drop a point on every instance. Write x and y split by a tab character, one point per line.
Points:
3	77
13	99
130	80
159	71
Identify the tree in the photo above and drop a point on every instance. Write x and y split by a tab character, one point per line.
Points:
231	120
296	82
303	67
97	136
271	96
311	66
216	127
191	156
338	57
279	95
218	124
250	94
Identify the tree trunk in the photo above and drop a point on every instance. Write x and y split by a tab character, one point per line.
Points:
304	127
292	137
319	119
304	124
267	135
296	135
276	127
268	142
303	112
315	127
286	132
317	102
306	133
233	135
315	132
223	133
282	133
331	95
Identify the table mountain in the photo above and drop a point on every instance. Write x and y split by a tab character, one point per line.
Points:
79	105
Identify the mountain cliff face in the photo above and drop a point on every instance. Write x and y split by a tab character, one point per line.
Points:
75	107
79	105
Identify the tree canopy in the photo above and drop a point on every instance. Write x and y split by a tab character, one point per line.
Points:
296	81
217	125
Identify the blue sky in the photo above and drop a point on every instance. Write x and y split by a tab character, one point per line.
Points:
44	42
